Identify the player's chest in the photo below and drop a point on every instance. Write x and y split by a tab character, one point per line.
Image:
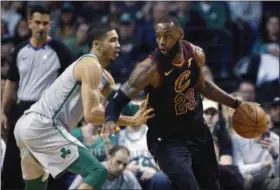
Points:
181	78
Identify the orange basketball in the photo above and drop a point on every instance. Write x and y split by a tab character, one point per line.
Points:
249	120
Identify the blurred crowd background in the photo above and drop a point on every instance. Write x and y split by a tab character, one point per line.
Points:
241	42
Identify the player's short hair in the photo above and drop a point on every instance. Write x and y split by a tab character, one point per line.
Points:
97	31
116	148
39	9
169	19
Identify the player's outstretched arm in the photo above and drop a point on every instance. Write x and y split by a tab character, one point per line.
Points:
89	72
138	80
208	88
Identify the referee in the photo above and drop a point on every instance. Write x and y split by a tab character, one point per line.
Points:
35	65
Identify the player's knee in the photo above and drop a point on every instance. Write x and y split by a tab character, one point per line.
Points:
96	177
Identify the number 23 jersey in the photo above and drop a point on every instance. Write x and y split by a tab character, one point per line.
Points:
176	101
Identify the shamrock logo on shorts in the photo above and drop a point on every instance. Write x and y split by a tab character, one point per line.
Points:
65	152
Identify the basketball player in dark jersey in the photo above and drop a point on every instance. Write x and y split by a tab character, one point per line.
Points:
178	137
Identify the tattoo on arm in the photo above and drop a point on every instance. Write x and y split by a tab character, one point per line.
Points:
213	92
139	79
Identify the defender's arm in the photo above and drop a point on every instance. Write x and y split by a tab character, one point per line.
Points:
138	80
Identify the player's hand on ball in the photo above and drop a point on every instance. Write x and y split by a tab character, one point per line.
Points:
143	113
248	103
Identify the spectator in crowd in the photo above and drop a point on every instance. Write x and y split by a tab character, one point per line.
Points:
258	160
189	18
35	64
119	177
268	41
214	14
246	11
20	8
9	16
78	44
247	90
5	64
7	46
274	112
145	32
222	145
123	66
66	29
4	29
89	135
22	32
92	12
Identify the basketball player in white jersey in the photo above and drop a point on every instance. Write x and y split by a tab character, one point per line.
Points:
42	132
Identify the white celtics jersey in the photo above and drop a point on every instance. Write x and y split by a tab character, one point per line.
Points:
62	101
136	142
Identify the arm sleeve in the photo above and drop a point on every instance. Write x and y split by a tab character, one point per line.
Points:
115	106
65	56
13	72
129	108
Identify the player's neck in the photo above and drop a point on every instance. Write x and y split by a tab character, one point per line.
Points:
179	56
38	43
104	61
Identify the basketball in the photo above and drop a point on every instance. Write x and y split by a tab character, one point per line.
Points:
249	120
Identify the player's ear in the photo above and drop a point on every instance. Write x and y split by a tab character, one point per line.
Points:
97	44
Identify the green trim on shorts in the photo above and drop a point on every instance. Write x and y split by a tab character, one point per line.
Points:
60	108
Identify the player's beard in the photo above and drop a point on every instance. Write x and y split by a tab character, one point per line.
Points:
173	51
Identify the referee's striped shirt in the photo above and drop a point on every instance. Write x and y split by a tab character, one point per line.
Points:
35	69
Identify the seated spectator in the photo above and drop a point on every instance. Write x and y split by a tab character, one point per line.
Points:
142	163
223	147
188	17
4	29
5	64
214	14
246	11
66	29
274	112
78	44
10	16
247	90
22	32
269	37
119	177
258	160
88	134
